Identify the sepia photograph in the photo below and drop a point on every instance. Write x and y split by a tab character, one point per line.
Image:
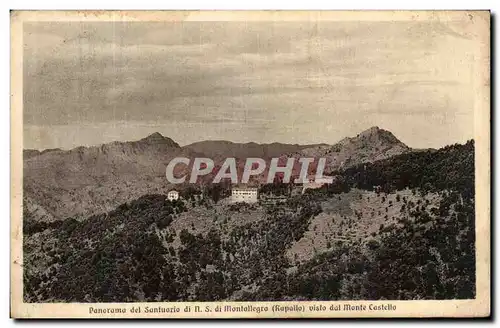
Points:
250	164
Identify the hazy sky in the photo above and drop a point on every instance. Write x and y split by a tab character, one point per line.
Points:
293	82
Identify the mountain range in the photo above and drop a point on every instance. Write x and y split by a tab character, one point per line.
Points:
90	180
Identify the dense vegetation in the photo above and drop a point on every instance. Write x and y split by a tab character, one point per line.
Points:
104	257
128	255
450	168
429	258
134	254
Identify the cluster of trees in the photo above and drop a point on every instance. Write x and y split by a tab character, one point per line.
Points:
31	226
276	189
211	191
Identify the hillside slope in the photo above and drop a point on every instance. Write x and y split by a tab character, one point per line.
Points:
413	240
88	180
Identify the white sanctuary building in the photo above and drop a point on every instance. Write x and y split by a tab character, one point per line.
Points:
244	194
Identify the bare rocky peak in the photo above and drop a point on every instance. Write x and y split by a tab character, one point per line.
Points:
158	139
374	136
368	146
376	133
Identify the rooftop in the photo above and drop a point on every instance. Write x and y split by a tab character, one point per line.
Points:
244	188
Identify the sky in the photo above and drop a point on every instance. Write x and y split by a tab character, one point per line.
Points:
88	83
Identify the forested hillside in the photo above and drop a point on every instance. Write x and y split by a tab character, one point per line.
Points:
423	250
450	168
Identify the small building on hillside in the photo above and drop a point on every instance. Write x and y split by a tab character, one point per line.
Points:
272	199
316	183
244	195
173	195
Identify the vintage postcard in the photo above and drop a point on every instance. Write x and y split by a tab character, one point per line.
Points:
262	164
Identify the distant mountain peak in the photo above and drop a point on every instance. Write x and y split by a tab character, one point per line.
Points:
373	130
158	138
154	136
380	134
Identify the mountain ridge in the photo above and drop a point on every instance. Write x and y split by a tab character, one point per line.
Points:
157	137
95	179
